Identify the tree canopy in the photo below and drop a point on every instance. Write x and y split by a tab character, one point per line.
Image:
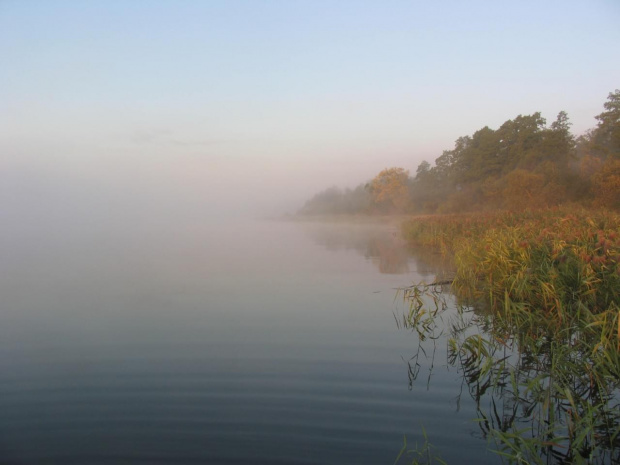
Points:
389	190
524	163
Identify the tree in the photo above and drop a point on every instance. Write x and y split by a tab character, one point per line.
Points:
606	137
476	157
589	166
452	162
389	190
427	189
423	169
520	142
335	201
522	189
559	143
606	185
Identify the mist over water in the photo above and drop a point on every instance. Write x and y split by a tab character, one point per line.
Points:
149	313
212	341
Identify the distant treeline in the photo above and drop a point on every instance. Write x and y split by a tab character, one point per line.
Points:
523	164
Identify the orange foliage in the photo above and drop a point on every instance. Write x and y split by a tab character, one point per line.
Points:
390	189
522	189
606	185
589	165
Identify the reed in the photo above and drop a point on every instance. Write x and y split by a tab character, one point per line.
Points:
542	291
424	454
553	261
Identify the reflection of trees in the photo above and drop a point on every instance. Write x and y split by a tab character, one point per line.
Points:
431	261
544	393
388	254
379	243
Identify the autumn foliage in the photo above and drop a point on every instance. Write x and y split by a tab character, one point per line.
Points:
389	190
606	184
554	260
524	164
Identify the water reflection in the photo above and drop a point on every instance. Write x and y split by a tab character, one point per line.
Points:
379	243
180	347
541	395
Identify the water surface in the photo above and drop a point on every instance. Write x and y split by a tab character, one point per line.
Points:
231	342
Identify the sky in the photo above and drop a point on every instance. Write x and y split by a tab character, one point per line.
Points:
119	110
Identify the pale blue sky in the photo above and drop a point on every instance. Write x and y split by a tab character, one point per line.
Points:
263	103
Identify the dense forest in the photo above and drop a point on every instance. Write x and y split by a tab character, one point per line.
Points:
523	164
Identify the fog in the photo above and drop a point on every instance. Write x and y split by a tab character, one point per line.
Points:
149	115
155	180
147	317
139	190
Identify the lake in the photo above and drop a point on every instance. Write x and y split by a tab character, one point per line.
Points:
233	342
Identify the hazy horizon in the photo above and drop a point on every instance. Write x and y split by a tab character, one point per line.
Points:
115	111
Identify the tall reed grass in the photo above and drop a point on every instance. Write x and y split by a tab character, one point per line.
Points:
558	262
543	290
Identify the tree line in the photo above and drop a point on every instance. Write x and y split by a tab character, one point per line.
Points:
525	163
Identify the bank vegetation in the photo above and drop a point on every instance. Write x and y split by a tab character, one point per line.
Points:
524	164
529	215
538	331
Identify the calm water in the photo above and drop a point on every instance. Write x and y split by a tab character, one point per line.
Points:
241	342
